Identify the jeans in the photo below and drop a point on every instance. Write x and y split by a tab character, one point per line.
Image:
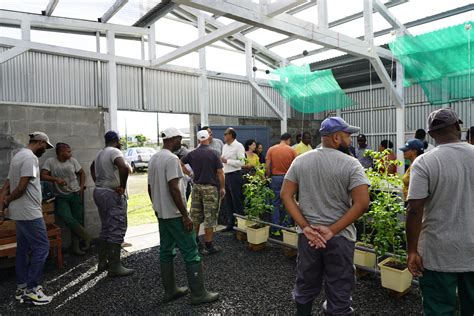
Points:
279	215
32	249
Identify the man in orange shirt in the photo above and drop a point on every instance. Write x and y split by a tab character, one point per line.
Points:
278	161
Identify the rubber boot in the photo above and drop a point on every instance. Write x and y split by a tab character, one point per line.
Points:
304	309
80	231
172	292
199	294
103	261
75	246
115	267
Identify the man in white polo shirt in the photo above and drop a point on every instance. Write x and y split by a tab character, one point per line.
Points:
233	159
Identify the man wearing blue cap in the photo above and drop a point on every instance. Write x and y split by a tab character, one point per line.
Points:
333	194
440	219
110	174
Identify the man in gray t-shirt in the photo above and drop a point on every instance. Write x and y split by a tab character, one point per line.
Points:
333	194
68	179
21	193
166	190
440	219
110	174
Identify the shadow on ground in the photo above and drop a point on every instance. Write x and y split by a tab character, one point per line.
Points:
249	282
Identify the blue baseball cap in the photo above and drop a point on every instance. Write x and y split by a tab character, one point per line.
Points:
110	136
336	124
413	144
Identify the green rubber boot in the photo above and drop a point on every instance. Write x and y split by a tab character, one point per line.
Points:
115	267
80	231
75	246
103	260
199	294
172	292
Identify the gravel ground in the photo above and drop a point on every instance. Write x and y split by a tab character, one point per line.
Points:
249	282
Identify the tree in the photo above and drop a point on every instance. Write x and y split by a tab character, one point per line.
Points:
141	139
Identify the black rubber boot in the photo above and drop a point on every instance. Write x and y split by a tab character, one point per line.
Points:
172	292
199	294
103	260
115	267
304	309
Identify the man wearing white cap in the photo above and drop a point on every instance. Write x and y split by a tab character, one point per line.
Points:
167	193
208	176
21	193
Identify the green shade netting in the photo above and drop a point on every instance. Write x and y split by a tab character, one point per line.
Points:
309	92
440	61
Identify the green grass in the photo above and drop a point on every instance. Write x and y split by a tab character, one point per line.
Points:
140	210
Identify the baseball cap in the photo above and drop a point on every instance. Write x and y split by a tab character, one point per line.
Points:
413	144
202	135
335	124
110	136
442	118
171	132
41	136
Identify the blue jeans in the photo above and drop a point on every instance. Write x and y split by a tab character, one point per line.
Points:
279	212
32	249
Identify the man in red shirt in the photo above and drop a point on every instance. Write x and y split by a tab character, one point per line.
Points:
278	161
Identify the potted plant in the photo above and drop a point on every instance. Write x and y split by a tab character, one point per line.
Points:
385	220
290	237
256	203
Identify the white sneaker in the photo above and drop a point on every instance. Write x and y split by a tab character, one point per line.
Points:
19	293
36	296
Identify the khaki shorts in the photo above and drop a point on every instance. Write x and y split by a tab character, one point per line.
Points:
205	205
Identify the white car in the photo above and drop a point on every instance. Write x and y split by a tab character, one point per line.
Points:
138	157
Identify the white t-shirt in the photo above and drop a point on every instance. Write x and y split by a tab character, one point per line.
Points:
325	179
67	171
28	206
445	177
163	167
106	172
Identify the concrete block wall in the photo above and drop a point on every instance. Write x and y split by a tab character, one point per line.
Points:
82	128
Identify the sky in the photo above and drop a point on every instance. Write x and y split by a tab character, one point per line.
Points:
176	33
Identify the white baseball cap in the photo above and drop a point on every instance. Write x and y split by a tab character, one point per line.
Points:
171	132
41	136
202	135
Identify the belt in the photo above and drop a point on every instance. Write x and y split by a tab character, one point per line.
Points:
237	171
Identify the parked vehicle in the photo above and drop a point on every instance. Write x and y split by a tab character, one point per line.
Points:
138	157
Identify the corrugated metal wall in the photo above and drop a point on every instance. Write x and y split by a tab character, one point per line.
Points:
35	77
43	78
375	114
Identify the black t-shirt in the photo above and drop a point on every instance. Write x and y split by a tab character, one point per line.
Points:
204	162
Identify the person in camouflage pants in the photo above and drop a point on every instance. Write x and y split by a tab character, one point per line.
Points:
206	197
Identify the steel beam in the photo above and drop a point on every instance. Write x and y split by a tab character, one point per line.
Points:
67	24
368	23
387	15
113	85
112	10
50	8
157	12
289	25
200	43
266	99
387	81
400	116
11	53
203	81
323	14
